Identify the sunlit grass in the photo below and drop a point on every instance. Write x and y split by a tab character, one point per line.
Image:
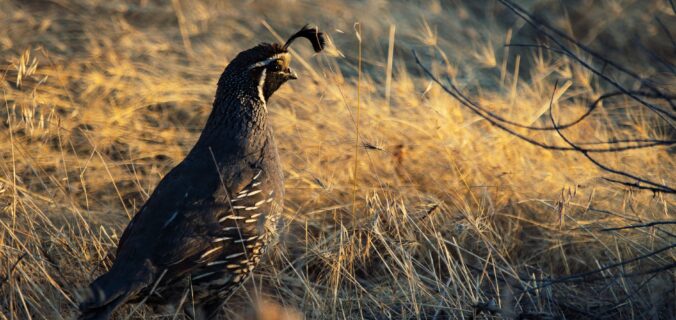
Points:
100	99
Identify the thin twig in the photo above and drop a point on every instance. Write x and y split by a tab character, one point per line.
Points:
666	31
642	225
501	124
11	270
653	186
585	276
542	28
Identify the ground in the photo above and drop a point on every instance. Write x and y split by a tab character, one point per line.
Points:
401	202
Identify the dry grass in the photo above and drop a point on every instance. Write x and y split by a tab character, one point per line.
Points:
101	98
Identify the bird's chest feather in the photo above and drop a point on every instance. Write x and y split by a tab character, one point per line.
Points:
244	228
210	229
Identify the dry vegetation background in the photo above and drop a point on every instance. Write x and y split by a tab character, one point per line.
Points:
452	218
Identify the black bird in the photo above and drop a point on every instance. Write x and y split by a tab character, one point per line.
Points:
209	220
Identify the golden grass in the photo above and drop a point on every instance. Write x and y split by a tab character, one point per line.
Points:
101	98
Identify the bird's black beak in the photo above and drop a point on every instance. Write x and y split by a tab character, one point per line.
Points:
290	74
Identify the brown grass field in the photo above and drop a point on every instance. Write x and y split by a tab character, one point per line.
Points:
401	203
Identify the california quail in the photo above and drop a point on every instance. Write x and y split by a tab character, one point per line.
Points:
209	220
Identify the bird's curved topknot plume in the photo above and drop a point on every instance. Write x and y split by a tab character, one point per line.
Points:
317	38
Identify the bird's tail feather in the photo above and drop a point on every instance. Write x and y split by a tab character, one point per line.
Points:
107	293
103	312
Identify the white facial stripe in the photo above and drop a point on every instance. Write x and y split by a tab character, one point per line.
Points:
261	83
262	63
265	62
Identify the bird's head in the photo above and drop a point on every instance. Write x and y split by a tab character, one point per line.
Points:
266	66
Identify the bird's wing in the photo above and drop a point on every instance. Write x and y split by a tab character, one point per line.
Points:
178	228
210	230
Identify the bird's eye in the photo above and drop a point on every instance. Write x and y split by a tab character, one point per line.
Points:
277	65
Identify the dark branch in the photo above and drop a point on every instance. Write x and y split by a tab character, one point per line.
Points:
11	270
642	225
653	186
586	276
636	185
666	31
502	123
543	29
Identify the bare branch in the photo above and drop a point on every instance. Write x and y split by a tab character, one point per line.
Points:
642	225
666	31
543	29
636	185
586	276
502	123
11	269
653	186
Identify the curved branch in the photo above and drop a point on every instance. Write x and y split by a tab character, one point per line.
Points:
585	276
641	225
501	124
541	26
653	186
